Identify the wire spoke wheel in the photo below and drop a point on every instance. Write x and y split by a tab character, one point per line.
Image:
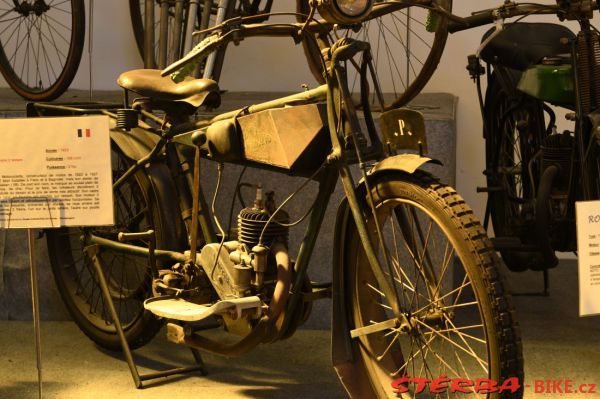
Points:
443	273
515	129
406	46
41	42
128	277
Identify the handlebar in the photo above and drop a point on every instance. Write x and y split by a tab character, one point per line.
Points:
235	30
475	20
509	10
212	42
238	28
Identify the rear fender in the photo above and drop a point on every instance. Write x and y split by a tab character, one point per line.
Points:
135	144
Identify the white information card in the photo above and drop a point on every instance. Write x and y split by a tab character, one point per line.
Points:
588	247
55	172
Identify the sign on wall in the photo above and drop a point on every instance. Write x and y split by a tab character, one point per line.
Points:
588	247
55	172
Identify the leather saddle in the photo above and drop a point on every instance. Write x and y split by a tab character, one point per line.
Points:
165	94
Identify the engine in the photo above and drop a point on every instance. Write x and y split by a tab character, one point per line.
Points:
249	265
557	217
257	264
557	150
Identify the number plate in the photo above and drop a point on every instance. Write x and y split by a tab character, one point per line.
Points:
404	129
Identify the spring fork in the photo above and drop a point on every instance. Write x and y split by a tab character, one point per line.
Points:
348	183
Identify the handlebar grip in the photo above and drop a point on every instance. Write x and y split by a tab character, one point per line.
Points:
479	19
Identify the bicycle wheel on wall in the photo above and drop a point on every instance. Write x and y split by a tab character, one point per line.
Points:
137	15
405	52
129	277
172	51
457	320
41	42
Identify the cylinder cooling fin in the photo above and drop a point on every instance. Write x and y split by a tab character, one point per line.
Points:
252	222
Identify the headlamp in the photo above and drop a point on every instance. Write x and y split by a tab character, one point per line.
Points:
344	11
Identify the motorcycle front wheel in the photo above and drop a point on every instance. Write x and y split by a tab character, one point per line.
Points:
515	130
129	277
457	320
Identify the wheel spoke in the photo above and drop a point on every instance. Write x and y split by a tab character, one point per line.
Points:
128	276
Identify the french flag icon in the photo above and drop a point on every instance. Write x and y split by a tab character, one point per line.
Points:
84	133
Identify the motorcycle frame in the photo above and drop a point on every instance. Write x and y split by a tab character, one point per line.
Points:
336	95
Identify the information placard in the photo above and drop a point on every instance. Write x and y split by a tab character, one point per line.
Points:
55	172
588	246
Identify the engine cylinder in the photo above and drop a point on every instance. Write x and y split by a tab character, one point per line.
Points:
252	222
558	150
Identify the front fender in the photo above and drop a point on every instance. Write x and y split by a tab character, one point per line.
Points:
408	163
344	351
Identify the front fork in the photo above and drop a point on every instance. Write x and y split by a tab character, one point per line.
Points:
348	131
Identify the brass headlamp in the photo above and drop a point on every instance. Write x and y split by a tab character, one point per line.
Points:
344	11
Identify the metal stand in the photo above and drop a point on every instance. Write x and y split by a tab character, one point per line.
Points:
91	48
36	307
137	378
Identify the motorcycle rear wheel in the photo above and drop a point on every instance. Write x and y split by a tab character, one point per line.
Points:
129	277
460	320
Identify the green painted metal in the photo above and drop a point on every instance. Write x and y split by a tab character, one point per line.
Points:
306	97
552	83
328	181
163	255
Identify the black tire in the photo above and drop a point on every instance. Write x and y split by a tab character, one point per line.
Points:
448	316
137	25
515	128
136	210
402	75
41	43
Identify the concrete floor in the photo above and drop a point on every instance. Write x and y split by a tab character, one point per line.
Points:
557	345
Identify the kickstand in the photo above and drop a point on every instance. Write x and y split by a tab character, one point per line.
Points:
137	378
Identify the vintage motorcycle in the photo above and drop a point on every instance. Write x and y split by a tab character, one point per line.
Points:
415	287
536	174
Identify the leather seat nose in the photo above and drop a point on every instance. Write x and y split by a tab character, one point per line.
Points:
149	83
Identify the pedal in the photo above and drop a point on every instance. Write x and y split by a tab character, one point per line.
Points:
180	309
